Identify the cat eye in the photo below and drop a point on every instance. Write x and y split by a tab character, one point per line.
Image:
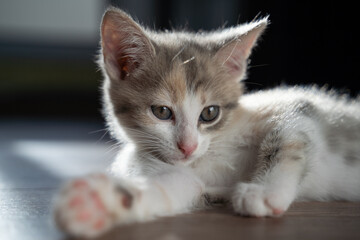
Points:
161	112
209	114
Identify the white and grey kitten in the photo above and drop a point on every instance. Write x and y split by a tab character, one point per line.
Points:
176	99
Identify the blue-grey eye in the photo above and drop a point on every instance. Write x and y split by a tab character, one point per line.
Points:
161	112
209	114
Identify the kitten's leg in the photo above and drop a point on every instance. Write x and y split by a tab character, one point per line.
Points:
92	205
282	163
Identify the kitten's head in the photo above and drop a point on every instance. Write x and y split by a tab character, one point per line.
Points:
172	93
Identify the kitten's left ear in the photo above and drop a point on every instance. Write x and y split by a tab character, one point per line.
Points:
239	42
125	45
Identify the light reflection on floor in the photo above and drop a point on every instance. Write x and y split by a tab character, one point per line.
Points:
35	159
65	159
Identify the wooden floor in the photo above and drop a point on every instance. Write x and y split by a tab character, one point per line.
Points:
35	158
304	221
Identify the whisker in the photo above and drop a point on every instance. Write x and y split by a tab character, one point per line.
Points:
232	51
259	65
102	137
189	60
253	83
96	131
110	150
256	17
178	53
111	140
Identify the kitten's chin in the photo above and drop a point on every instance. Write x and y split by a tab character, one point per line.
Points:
186	160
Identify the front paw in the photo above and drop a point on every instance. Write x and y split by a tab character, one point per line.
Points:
256	200
92	205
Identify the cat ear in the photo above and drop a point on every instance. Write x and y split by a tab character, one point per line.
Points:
239	42
125	45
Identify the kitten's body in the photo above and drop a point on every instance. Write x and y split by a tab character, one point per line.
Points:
191	135
332	122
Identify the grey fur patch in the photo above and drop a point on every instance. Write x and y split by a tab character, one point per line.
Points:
231	105
343	137
193	82
123	109
352	157
305	171
274	145
269	149
306	108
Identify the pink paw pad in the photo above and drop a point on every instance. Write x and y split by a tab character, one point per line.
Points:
277	211
83	216
99	224
80	184
76	202
97	201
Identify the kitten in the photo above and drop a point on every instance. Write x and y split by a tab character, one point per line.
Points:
191	135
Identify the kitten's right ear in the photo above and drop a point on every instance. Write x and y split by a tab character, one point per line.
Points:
124	43
237	47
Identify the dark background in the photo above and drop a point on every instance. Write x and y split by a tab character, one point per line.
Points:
305	43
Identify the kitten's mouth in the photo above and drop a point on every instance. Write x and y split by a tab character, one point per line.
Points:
172	158
186	159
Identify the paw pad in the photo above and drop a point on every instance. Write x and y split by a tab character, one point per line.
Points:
89	206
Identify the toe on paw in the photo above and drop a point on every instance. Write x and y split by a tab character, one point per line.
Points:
99	224
80	184
277	211
97	201
126	201
83	216
76	202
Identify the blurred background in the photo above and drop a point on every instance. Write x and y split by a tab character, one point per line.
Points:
48	48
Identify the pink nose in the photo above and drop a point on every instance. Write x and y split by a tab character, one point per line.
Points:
186	149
